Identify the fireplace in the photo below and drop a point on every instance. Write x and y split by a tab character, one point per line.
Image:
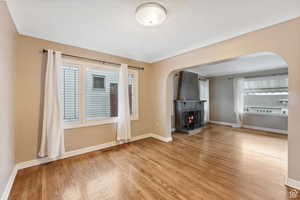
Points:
189	109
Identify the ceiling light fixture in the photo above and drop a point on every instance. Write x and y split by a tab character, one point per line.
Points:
151	14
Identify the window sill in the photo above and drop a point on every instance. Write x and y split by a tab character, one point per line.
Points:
96	123
266	114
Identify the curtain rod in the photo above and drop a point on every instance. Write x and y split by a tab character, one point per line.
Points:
101	61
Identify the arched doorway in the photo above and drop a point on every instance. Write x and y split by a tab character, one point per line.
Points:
265	100
282	39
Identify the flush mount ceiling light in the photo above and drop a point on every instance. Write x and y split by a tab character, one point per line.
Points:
151	14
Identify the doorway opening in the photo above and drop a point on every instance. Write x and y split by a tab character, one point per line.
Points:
248	93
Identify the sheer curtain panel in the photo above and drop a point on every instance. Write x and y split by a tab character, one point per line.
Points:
52	139
123	127
204	95
238	90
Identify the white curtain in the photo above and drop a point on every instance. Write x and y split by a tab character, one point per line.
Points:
238	88
123	127
204	95
52	139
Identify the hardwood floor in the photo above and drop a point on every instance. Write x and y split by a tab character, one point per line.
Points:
220	163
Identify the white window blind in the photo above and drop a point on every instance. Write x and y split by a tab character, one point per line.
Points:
70	93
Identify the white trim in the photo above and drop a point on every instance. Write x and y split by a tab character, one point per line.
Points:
293	183
35	162
266	129
237	125
76	152
162	138
88	149
68	154
140	137
234	125
104	121
9	184
267	114
223	123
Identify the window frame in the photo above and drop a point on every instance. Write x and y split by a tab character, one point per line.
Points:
84	66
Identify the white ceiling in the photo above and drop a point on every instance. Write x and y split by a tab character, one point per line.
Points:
110	26
250	63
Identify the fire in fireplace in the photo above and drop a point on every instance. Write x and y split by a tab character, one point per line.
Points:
188	115
191	119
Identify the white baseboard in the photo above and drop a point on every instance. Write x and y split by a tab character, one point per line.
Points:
34	162
68	154
266	129
76	152
9	184
293	183
223	123
88	149
140	137
161	138
234	125
237	125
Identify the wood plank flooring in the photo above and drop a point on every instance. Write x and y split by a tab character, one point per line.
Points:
220	163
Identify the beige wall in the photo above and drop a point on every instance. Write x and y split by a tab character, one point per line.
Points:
29	86
283	39
8	36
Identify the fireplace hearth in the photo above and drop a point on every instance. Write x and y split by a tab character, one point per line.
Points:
189	109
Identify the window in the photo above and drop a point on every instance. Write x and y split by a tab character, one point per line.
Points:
98	82
98	101
266	95
114	98
90	93
266	85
